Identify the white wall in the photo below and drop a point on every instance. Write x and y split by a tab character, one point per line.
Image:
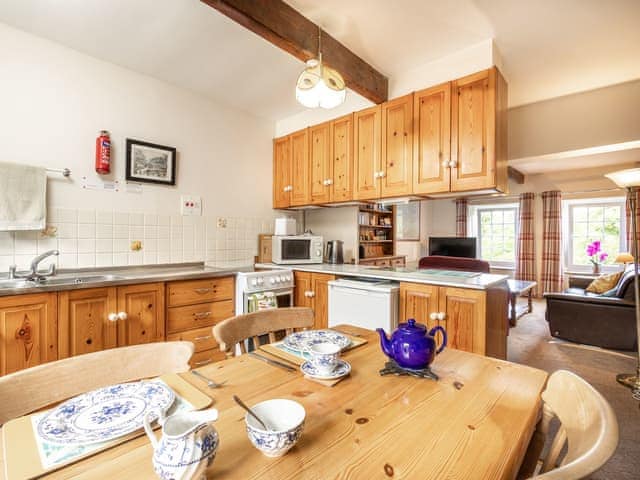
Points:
340	223
55	100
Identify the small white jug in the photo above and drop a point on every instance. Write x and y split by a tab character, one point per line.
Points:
188	444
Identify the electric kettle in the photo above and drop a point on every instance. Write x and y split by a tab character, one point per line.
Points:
333	252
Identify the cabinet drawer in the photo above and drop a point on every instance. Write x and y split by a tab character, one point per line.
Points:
196	316
197	291
202	338
200	359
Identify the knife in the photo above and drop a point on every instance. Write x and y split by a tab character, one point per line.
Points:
275	363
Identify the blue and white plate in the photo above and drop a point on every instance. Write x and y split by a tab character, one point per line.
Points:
104	414
299	341
342	370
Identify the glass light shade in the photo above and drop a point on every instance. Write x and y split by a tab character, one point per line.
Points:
320	86
625	178
624	257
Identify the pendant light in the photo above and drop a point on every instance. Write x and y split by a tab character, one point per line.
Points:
319	85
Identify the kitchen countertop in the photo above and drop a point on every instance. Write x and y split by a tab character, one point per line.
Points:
480	281
113	276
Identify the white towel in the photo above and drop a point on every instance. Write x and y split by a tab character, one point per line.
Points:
23	194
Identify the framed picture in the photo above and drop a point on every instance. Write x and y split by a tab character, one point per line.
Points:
408	221
150	163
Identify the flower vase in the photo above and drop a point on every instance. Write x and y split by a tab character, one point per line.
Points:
596	269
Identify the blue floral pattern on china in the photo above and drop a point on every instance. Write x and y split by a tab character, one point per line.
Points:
185	455
342	369
274	444
104	414
300	341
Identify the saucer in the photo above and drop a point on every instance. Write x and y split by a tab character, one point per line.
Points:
342	369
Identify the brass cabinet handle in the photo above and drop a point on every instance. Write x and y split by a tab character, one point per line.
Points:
203	362
202	315
199	339
202	290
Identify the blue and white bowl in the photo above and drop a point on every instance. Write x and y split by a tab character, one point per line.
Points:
285	419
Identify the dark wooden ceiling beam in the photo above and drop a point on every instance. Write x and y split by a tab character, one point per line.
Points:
516	175
280	24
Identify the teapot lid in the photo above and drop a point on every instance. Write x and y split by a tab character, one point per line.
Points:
411	326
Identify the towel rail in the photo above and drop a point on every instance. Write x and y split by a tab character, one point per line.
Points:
64	171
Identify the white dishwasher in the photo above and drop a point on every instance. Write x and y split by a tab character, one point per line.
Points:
365	303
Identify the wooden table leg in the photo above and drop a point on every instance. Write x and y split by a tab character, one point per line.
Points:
512	318
530	300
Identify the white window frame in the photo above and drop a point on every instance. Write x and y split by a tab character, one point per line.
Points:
567	228
474	222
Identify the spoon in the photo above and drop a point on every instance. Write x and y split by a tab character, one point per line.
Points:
251	412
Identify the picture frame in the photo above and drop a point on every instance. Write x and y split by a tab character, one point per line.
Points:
408	221
150	163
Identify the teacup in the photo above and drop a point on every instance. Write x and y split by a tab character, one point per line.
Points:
324	356
285	420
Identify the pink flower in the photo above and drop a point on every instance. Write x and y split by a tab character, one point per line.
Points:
603	256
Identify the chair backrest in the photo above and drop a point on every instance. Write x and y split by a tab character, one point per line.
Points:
233	331
28	390
588	427
455	263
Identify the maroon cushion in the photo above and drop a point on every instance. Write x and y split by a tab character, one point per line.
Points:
455	263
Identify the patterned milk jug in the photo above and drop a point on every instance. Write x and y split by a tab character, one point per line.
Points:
187	447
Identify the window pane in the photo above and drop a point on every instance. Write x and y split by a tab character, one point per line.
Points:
497	232
580	214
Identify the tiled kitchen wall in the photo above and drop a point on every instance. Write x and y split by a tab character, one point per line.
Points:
102	238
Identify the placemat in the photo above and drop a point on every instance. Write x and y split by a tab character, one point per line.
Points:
278	349
26	457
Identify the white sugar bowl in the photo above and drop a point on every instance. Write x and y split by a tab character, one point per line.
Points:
285	419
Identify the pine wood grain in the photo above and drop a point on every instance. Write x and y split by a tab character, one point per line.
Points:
473	423
342	145
397	147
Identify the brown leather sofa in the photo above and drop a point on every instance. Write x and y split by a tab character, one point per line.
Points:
454	263
604	321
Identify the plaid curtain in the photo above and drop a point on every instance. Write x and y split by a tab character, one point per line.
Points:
525	246
551	277
628	213
461	217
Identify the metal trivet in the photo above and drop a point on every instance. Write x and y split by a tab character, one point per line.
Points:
392	368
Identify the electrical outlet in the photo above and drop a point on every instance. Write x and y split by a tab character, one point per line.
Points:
222	222
136	245
190	205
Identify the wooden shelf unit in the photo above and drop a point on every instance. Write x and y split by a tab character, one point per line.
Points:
375	232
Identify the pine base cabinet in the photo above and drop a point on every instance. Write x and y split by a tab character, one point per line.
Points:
475	320
28	331
312	290
95	319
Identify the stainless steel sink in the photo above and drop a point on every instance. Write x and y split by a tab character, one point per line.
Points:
17	283
76	280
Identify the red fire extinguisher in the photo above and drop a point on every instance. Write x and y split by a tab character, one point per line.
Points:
103	153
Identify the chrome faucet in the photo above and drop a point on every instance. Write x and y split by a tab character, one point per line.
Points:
33	274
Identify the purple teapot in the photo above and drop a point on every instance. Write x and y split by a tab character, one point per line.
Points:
411	346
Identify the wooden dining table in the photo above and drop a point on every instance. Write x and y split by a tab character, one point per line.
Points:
475	422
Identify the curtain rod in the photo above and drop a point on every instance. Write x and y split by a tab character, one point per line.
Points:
516	196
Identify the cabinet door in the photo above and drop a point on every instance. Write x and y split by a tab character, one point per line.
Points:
464	318
84	325
320	288
418	301
367	143
28	325
300	168
302	281
432	139
473	132
397	147
281	172
321	164
342	179
144	308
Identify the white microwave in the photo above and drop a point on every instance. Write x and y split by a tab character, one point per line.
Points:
292	249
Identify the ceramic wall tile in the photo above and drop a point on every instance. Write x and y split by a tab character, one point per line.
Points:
7	243
104	260
104	245
86	230
120	218
86	216
104	231
136	219
105	217
121	231
86	245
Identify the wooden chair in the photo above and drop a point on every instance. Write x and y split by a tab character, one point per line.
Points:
29	390
588	428
233	331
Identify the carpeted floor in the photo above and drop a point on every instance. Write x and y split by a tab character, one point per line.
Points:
530	343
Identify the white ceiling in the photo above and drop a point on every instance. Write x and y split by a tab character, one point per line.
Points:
549	47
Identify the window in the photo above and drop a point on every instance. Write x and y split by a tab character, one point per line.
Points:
589	220
495	226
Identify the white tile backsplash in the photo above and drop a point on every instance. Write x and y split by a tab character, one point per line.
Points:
88	238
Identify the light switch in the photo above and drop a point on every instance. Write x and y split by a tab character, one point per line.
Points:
190	205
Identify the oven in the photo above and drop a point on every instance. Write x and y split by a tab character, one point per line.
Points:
263	290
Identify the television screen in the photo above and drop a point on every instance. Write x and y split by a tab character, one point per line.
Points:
453	246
